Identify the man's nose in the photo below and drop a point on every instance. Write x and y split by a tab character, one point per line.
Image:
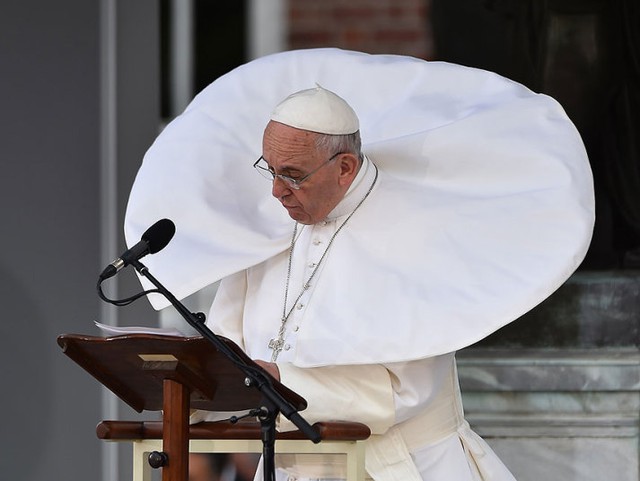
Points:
279	188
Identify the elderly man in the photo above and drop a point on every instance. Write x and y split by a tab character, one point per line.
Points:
311	152
473	204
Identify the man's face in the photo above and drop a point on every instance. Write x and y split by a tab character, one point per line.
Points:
292	152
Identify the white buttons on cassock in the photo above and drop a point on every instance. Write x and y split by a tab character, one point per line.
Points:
310	248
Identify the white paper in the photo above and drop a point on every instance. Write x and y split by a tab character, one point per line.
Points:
124	330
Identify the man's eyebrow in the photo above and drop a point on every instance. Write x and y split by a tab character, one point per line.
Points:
285	168
289	168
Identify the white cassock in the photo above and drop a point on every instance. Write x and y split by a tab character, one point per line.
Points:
483	206
413	408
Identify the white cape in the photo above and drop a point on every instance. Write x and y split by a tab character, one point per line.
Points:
493	197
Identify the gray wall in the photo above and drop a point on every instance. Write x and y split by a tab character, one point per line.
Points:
50	204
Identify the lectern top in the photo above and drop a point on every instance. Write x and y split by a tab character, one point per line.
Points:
134	367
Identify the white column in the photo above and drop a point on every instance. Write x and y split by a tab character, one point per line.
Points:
181	55
267	27
108	201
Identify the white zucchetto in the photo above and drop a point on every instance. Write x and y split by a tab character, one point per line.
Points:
317	110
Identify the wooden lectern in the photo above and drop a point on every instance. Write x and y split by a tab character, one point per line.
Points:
175	374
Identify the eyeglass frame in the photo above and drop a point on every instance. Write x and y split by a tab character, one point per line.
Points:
290	181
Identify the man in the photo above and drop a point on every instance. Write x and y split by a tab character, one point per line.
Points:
311	152
459	219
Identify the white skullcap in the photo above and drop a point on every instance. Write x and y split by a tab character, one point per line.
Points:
317	110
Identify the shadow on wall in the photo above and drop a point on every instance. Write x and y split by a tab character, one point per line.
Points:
27	380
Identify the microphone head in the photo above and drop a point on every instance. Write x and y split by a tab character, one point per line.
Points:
159	234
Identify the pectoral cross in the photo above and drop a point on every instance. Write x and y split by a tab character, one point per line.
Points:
276	345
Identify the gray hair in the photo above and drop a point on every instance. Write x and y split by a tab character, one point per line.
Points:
333	144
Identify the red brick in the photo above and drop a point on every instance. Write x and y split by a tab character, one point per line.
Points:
375	26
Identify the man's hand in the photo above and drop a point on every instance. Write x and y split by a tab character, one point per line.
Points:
270	367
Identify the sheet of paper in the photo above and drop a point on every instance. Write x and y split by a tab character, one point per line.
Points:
109	331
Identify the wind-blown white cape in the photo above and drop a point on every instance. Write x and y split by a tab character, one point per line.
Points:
490	211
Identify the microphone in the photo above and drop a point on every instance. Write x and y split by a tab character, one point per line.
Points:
153	240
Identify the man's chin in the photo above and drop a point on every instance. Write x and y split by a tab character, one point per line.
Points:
300	219
298	215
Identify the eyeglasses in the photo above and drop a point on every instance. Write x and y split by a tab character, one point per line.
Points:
266	171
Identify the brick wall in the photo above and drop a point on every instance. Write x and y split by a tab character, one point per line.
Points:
372	26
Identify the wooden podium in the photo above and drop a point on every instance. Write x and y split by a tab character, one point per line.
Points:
175	374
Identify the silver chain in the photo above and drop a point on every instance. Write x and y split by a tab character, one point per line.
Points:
277	344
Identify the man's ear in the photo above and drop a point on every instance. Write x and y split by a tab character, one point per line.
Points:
349	165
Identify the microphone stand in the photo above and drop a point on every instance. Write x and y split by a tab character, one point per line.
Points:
256	377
